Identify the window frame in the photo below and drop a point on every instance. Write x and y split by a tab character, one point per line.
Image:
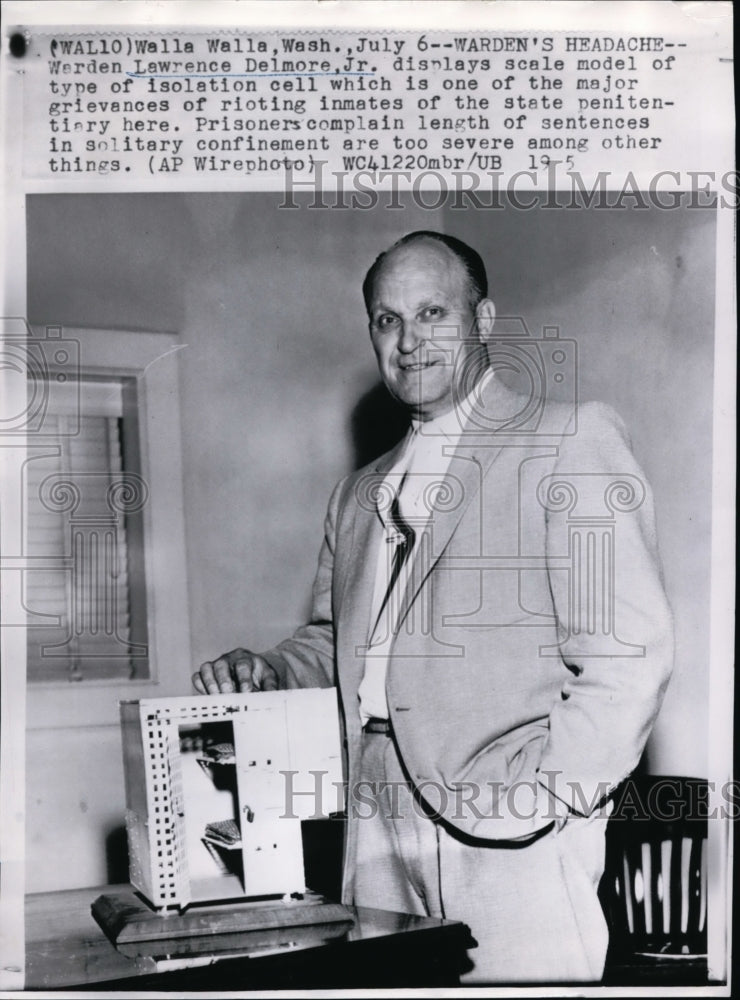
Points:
151	359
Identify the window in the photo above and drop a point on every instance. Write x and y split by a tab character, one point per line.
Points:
86	596
104	556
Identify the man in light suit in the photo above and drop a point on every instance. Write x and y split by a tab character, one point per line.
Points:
489	603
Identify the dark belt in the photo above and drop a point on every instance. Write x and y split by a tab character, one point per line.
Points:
381	726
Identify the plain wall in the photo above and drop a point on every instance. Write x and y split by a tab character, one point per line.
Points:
277	359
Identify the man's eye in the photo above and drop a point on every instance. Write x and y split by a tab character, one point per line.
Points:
432	312
387	319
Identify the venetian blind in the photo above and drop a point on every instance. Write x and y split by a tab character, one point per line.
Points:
78	587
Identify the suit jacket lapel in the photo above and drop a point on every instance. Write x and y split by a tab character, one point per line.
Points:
464	477
476	451
478	448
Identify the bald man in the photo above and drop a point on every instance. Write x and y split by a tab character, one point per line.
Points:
489	604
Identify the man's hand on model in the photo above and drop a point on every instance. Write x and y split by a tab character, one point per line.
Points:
238	670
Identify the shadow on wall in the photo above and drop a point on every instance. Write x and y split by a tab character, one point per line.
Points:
378	423
116	855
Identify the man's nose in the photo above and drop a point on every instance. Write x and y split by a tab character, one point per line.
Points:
412	334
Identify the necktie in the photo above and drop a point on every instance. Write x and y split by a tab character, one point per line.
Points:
404	544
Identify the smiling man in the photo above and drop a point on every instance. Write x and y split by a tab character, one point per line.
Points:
428	317
497	677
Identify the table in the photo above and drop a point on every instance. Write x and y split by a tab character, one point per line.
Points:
65	948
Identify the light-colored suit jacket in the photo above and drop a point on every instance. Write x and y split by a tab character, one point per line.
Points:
535	641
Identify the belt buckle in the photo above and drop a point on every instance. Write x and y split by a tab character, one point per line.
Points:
380	726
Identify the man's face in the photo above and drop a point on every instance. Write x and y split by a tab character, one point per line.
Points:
422	325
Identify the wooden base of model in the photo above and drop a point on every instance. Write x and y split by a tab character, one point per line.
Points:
138	930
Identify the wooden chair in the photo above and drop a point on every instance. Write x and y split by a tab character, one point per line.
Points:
654	888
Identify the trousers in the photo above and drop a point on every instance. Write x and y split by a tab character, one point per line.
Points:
532	908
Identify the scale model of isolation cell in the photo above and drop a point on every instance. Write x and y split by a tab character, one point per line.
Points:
217	787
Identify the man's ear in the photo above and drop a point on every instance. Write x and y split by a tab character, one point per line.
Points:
485	317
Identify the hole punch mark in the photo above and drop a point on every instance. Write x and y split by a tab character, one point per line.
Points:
18	45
